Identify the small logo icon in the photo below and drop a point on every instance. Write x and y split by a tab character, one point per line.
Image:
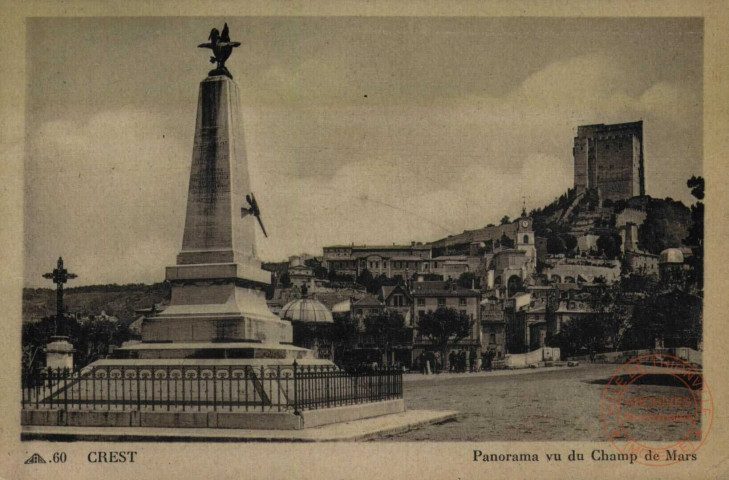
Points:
35	458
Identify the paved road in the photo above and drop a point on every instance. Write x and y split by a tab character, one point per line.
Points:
554	405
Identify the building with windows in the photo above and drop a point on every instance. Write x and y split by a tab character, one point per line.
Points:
493	327
451	267
389	260
366	306
398	298
512	267
429	296
609	158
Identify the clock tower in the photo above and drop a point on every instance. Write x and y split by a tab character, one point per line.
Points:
525	236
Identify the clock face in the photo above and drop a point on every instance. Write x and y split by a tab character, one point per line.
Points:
525	223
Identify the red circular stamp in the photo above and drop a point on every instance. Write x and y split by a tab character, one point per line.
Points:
653	409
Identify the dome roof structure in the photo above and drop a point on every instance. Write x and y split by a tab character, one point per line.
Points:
307	310
671	255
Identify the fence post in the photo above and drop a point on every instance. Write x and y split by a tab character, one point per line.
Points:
296	389
262	381
215	389
169	380
327	373
151	377
199	407
24	387
65	389
123	382
139	398
278	384
37	389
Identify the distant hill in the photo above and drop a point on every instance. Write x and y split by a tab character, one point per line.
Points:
117	300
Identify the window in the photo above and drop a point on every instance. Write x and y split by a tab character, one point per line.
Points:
462	302
421	302
492	338
441	302
526	238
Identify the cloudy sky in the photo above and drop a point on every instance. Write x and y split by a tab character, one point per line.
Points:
367	130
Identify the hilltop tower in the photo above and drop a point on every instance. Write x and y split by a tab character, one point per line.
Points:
609	158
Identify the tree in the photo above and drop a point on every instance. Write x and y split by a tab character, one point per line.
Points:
321	272
506	241
285	280
468	280
609	245
580	336
667	224
695	238
505	219
556	245
90	339
612	310
343	335
605	326
674	316
444	327
570	242
697	185
365	279
385	330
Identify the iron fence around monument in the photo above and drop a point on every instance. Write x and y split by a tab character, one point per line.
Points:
220	388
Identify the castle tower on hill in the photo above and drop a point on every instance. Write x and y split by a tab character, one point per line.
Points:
610	158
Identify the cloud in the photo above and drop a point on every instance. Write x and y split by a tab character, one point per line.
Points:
108	192
105	192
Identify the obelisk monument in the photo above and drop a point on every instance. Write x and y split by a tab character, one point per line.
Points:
217	307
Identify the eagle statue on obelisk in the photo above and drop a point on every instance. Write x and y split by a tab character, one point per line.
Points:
222	47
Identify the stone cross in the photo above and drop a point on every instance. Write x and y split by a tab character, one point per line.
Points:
59	276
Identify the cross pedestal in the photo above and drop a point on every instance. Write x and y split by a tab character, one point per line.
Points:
59	353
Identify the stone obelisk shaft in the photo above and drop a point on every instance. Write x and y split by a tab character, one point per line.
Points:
214	230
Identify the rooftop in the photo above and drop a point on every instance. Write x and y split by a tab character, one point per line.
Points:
368	301
443	289
307	310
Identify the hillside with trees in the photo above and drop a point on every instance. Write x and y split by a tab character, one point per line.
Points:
116	300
